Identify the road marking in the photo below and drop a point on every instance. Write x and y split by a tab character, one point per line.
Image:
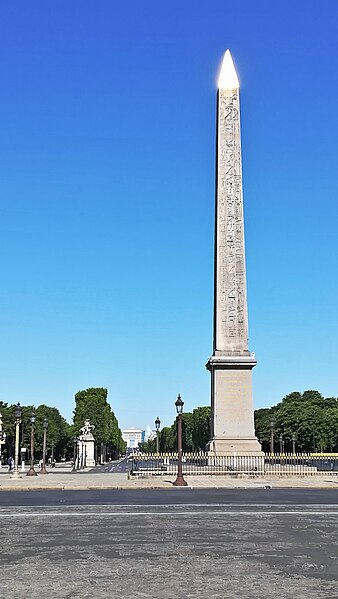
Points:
173	513
239	506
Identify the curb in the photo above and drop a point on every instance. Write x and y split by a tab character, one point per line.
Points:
190	487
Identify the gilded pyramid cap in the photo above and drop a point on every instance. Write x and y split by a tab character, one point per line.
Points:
228	77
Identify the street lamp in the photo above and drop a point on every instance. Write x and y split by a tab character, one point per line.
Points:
2	438
294	439
31	471
2	442
43	466
280	443
17	432
179	482
157	426
83	456
272	426
75	441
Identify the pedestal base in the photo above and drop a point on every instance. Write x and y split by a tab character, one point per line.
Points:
243	446
231	405
249	462
180	482
31	472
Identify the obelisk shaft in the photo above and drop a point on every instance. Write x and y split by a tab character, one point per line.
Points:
231	321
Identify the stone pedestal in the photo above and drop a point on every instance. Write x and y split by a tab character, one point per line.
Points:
232	411
86	451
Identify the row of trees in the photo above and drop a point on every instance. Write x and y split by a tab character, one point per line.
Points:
59	437
195	433
312	418
90	404
308	416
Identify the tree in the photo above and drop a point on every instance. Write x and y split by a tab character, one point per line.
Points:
309	416
195	432
91	404
59	432
201	427
187	431
167	439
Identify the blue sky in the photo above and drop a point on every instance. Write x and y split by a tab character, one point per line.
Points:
107	120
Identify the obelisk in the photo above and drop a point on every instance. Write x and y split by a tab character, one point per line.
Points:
232	426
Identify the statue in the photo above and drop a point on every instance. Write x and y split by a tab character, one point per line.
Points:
87	428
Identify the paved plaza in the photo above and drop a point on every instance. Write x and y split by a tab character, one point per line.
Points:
115	476
158	544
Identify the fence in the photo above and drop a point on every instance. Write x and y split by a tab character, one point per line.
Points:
234	464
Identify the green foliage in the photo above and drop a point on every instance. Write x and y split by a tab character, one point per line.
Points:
201	427
168	439
59	432
195	433
310	416
91	404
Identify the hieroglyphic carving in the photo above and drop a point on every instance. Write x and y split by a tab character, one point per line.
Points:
231	303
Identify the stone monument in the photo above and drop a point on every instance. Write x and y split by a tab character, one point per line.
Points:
86	443
231	364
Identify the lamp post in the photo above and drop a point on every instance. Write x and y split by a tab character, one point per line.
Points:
2	439
179	482
17	433
280	443
75	441
157	426
272	426
43	466
31	471
2	442
294	439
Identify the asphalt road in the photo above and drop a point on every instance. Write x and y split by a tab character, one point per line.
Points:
176	543
121	465
172	496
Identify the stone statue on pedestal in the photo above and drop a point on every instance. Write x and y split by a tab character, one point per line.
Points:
86	443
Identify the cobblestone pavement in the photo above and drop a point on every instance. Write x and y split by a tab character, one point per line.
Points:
222	550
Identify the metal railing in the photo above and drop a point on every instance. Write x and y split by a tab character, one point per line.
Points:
233	464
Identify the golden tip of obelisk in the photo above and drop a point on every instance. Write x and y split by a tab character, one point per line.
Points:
228	77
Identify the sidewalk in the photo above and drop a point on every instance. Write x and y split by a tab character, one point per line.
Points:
85	481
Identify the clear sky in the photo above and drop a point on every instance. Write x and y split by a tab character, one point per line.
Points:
107	161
